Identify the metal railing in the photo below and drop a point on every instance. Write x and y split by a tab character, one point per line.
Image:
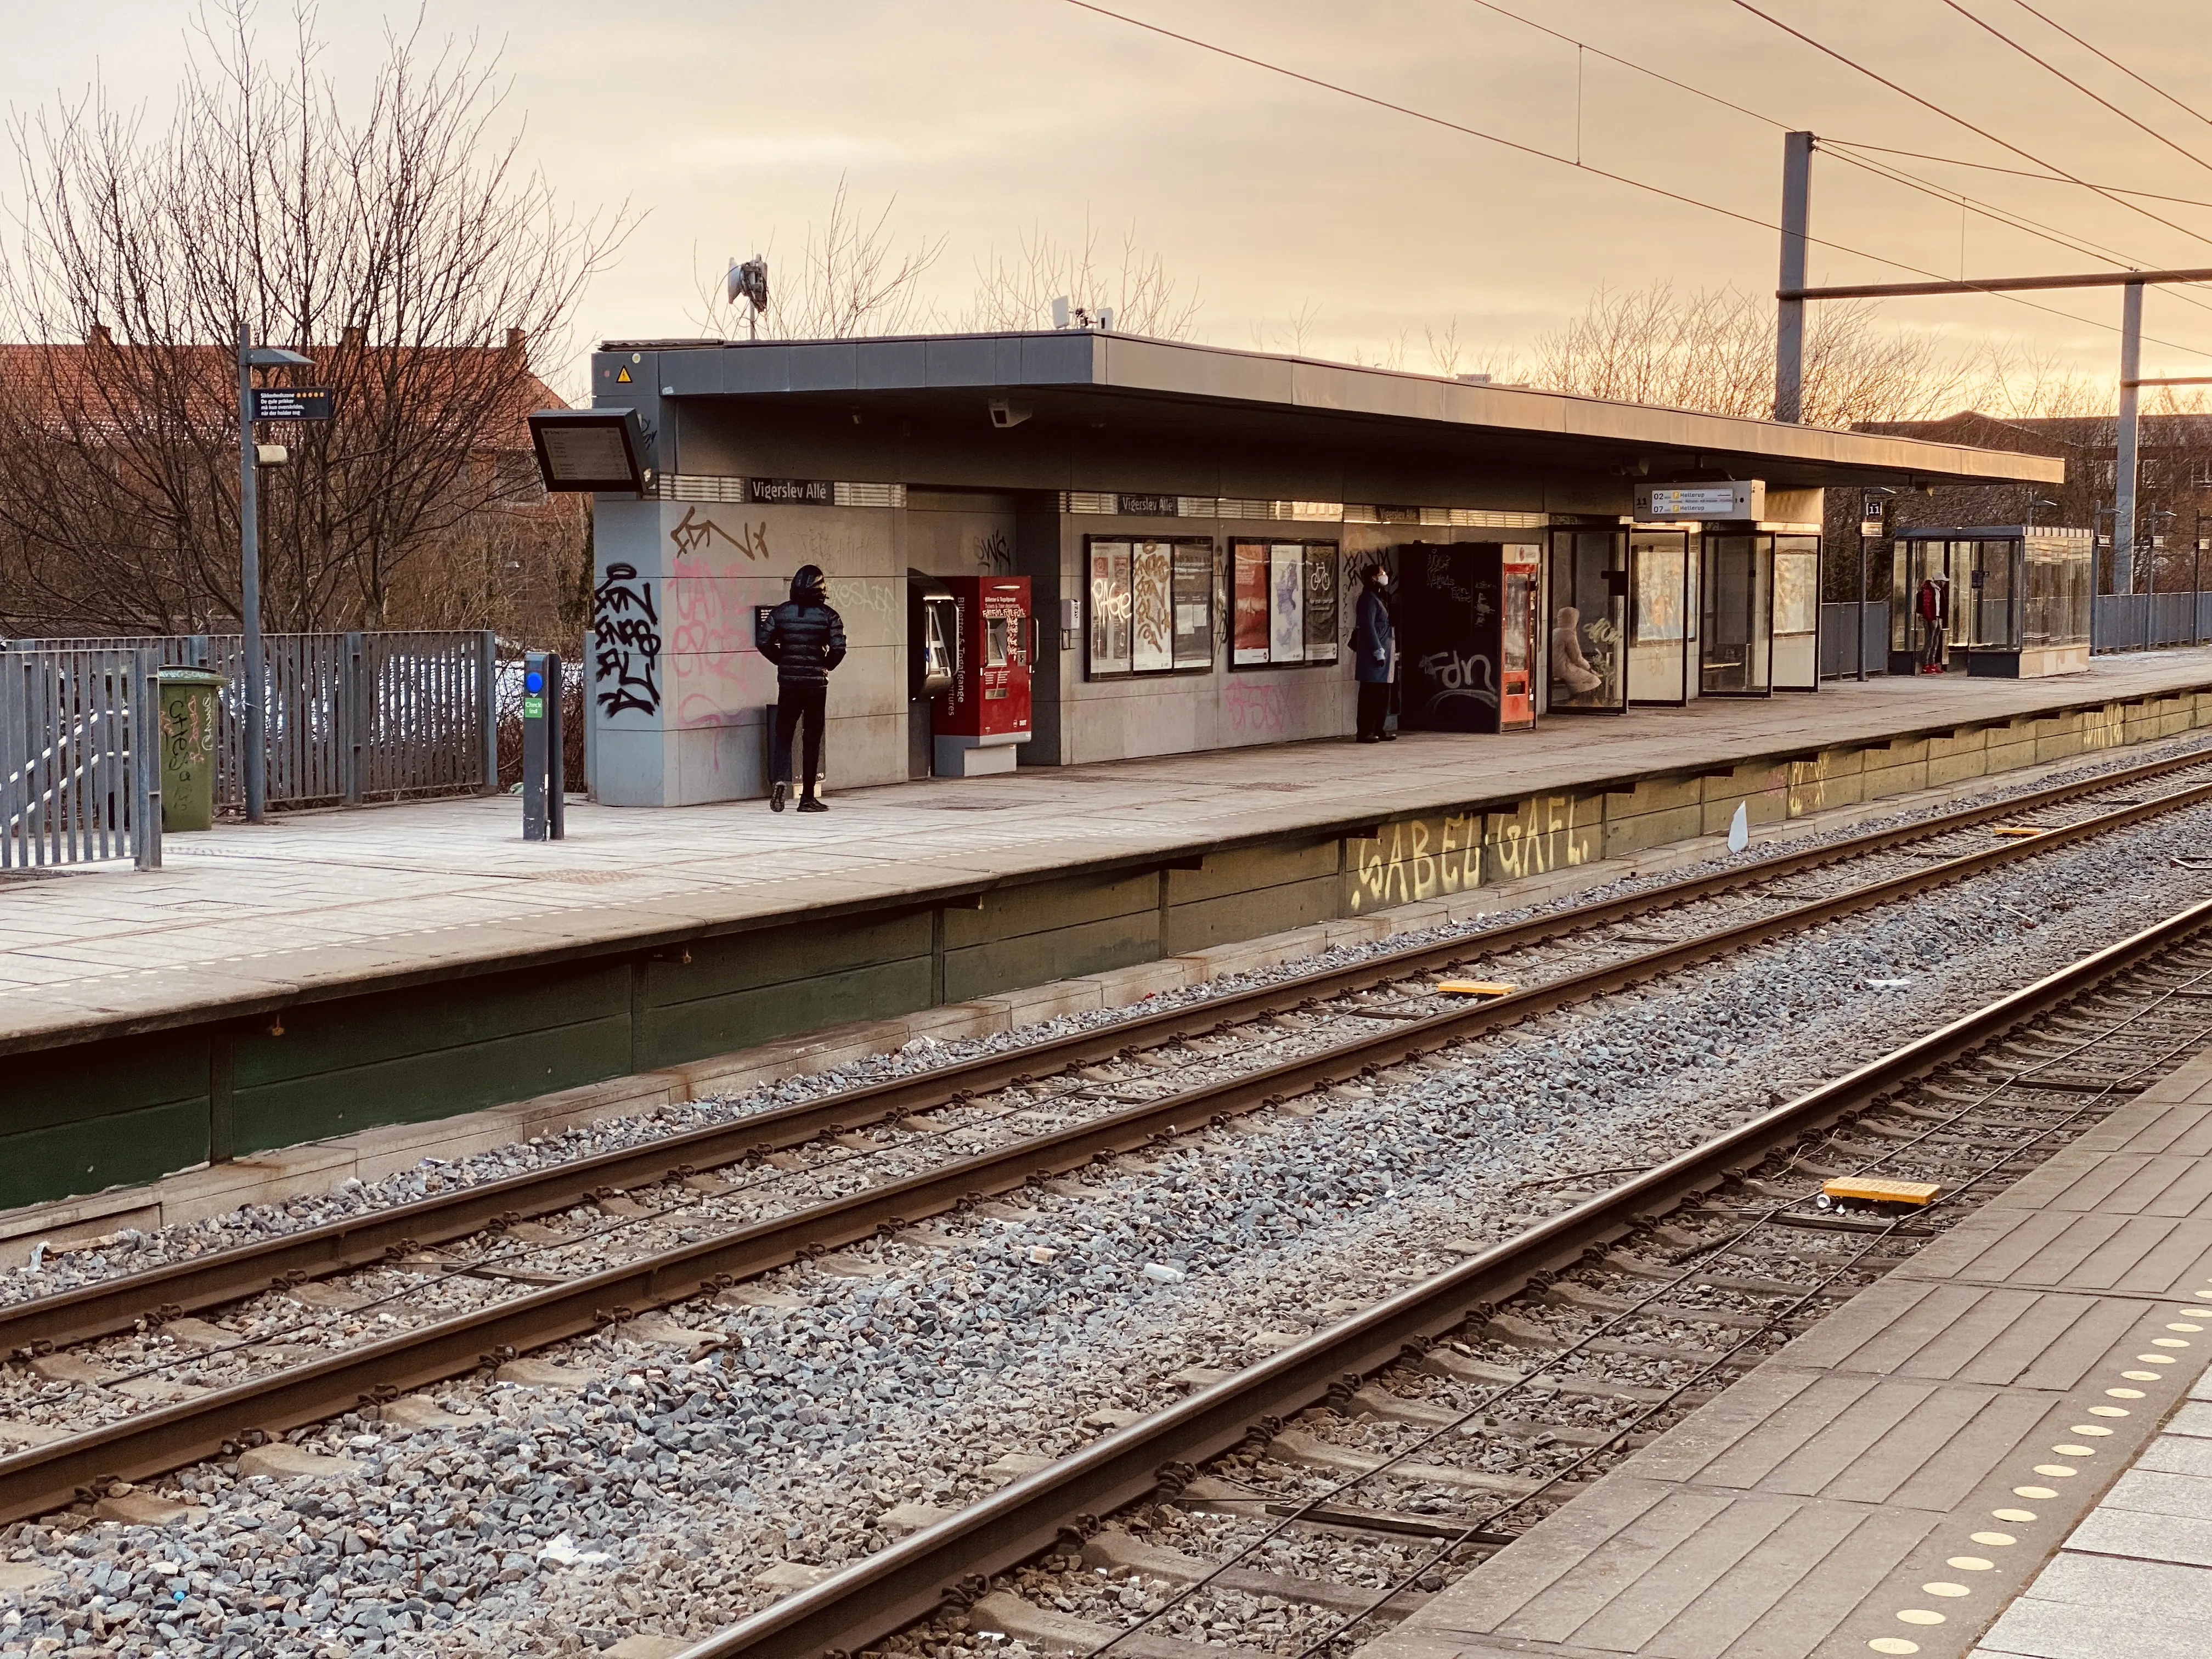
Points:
1838	658
2143	622
80	765
351	717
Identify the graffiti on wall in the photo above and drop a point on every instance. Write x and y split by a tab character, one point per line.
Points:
992	552
706	631
1549	832
1257	711
1416	859
698	533
625	643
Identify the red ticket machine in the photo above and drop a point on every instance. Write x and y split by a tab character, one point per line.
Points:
976	724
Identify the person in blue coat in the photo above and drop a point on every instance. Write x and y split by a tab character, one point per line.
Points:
805	639
1374	653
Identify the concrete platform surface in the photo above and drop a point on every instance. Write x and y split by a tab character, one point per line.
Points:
244	917
1959	1434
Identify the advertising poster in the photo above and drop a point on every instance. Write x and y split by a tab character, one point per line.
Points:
1321	603
1796	592
1110	607
1151	608
1194	604
1286	603
1249	639
1662	573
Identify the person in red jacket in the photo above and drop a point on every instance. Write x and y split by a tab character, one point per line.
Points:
1931	603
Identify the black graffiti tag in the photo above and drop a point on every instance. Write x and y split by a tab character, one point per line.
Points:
625	643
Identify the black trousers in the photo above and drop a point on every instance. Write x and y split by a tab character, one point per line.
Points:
1374	707
798	701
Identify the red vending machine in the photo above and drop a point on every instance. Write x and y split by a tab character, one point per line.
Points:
977	723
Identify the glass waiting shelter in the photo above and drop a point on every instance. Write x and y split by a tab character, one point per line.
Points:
2001	601
1586	657
1760	612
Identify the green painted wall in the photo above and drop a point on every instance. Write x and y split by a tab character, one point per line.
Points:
121	1111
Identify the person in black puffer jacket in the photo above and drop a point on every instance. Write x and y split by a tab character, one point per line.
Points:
805	639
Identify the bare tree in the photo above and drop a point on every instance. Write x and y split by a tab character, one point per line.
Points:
1016	291
848	281
1713	350
404	248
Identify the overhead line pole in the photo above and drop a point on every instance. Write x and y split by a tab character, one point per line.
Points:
2124	467
1788	360
1789	315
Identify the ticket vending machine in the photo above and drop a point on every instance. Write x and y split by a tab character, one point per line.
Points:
1466	622
977	722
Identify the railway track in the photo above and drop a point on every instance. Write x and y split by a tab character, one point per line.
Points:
1317	1496
1286	1027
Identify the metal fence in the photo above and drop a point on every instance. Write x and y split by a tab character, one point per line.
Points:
351	717
2141	621
80	765
1838	657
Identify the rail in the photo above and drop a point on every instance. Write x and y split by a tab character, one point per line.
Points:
40	1479
954	1558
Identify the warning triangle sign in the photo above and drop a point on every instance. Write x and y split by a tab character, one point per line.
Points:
622	379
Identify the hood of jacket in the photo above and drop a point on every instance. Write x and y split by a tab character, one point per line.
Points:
808	585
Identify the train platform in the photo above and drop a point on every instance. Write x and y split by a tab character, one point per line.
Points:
331	972
2002	1450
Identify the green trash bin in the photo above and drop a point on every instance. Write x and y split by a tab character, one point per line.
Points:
188	722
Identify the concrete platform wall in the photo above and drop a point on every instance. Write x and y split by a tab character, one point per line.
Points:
79	1118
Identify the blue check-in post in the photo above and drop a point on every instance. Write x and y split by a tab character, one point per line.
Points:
544	787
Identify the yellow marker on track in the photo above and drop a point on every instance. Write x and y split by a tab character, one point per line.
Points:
1475	987
2019	830
1868	1189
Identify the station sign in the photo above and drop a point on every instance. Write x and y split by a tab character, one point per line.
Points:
788	492
295	403
1737	498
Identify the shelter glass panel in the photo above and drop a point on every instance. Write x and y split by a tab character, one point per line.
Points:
1796	613
1737	655
1661	621
1587	664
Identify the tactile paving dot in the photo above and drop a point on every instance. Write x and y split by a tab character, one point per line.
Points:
2110	1411
1894	1644
2141	1377
1943	1587
2075	1451
1920	1616
1971	1563
2057	1470
2124	1393
1994	1539
2092	1429
2032	1491
2157	1358
2010	1515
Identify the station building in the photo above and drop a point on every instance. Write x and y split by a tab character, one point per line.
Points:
1169	538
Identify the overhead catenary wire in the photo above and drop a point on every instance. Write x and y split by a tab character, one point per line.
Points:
1954	116
2033	57
1541	153
2018	221
2047	20
1833	144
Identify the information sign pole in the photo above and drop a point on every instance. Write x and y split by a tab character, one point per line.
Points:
256	748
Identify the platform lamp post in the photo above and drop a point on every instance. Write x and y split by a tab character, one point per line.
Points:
256	748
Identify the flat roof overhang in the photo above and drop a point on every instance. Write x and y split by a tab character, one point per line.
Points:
1077	378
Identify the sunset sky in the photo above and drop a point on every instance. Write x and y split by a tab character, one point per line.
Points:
727	126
